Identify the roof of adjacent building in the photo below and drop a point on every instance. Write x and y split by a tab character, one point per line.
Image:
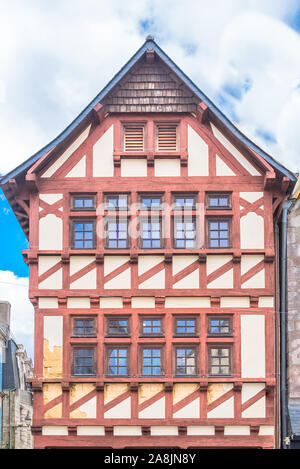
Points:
149	45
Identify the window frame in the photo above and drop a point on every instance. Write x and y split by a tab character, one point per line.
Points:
184	195
82	220
219	195
220	318
115	195
218	220
83	196
84	346
193	220
186	318
156	133
151	318
196	359
133	124
107	357
117	219
159	220
162	360
150	195
116	318
209	358
84	318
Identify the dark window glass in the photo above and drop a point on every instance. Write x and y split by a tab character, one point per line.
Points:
219	326
218	201
220	361
116	234
185	361
151	361
185	233
117	326
116	202
219	233
83	234
83	202
185	326
151	326
118	361
151	234
187	202
151	202
83	361
84	327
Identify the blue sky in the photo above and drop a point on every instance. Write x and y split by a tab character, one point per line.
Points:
56	56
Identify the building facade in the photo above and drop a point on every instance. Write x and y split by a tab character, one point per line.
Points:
152	270
16	396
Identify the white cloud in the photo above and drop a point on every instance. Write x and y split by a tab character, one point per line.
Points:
15	290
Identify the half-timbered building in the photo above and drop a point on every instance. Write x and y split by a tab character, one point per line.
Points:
152	252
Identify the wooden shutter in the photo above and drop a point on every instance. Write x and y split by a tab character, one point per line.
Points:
166	137
134	138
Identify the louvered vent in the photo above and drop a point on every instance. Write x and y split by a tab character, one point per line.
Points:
167	137
134	138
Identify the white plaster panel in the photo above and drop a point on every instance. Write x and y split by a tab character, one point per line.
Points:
111	302
79	170
237	430
48	302
55	430
253	346
189	281
266	302
266	430
250	260
235	302
79	262
222	169
121	281
127	430
200	430
46	262
50	198
224	410
191	410
90	430
154	411
103	164
89	408
224	281
252	231
256	410
111	263
251	196
120	411
158	430
249	390
197	154
63	158
143	302
187	302
181	262
257	281
86	282
135	167
50	233
234	151
146	263
167	167
81	302
214	261
53	331
154	282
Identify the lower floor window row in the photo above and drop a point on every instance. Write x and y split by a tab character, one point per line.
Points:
151	361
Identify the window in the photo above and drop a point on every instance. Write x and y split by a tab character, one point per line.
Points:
218	201
116	202
84	327
219	358
152	361
185	233
117	327
117	361
167	137
151	202
83	234
134	135
185	327
84	361
184	202
219	233
116	233
83	202
219	326
151	327
185	361
151	233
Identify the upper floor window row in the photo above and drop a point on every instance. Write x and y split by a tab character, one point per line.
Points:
166	137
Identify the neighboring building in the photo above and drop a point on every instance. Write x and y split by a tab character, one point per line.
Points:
293	269
16	395
166	337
